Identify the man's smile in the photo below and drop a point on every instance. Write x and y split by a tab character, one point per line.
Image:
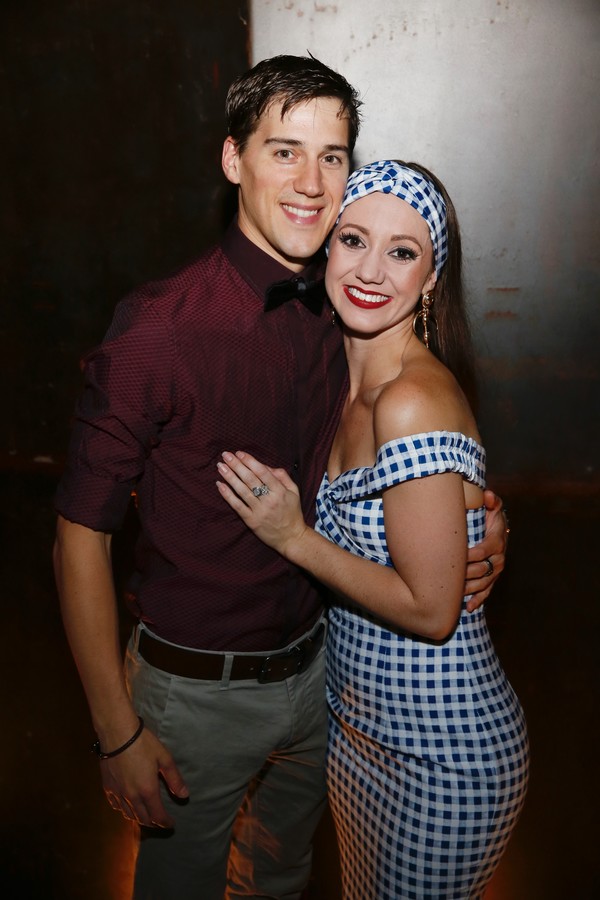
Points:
299	212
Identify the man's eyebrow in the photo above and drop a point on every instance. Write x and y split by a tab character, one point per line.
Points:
339	148
280	140
292	142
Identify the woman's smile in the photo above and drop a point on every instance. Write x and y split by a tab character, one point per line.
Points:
365	299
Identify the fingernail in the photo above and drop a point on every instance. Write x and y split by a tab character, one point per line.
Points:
226	455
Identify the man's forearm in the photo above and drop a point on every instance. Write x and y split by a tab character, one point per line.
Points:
83	570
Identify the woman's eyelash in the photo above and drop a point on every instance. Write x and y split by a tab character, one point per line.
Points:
405	253
351	239
348	237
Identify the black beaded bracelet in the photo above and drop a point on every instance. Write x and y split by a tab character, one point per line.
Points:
102	755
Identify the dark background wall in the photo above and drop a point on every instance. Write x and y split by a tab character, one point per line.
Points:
111	127
111	114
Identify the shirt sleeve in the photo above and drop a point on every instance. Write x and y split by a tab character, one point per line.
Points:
128	397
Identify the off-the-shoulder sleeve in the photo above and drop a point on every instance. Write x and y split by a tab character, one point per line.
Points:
415	456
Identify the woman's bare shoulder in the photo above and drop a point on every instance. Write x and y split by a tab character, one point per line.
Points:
425	396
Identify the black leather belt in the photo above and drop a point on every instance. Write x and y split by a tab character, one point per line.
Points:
209	666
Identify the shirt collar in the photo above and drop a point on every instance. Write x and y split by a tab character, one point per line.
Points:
257	268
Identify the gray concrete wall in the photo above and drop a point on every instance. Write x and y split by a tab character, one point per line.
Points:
501	100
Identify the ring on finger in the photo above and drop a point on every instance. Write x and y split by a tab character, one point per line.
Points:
490	567
260	490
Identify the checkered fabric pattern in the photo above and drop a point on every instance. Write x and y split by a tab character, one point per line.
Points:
389	177
358	526
428	757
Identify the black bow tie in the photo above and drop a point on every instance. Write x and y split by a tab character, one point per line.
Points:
310	293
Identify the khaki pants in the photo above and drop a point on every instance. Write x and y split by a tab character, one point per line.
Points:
253	758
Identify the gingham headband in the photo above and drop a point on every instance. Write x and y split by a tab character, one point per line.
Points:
390	177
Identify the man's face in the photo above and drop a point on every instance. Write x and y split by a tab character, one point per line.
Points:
291	176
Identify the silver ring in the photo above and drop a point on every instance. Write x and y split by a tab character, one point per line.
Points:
490	567
260	490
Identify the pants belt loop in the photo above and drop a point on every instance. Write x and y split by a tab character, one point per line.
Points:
227	666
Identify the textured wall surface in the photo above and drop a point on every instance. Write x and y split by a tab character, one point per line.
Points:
112	125
501	98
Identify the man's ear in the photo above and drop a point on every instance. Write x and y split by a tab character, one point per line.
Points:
230	160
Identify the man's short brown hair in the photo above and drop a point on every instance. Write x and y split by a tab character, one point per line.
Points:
289	80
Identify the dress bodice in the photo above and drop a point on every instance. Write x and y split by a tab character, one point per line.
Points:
349	509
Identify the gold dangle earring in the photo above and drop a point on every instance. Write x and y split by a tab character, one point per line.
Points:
425	316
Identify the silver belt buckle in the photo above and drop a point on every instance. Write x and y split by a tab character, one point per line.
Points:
298	652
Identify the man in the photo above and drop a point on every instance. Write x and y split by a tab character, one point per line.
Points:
217	733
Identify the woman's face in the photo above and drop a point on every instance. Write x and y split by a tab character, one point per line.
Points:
380	262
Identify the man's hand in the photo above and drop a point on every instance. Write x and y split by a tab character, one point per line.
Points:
131	781
84	578
486	560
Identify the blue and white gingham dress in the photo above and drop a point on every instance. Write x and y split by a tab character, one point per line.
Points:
428	755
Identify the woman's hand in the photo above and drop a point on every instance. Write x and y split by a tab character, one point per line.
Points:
266	499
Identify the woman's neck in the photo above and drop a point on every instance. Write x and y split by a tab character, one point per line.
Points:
376	360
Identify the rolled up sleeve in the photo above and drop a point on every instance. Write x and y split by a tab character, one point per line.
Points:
127	399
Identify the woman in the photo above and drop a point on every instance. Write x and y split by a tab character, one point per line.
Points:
428	756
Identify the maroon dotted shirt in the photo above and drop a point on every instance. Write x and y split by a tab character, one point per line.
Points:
191	366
